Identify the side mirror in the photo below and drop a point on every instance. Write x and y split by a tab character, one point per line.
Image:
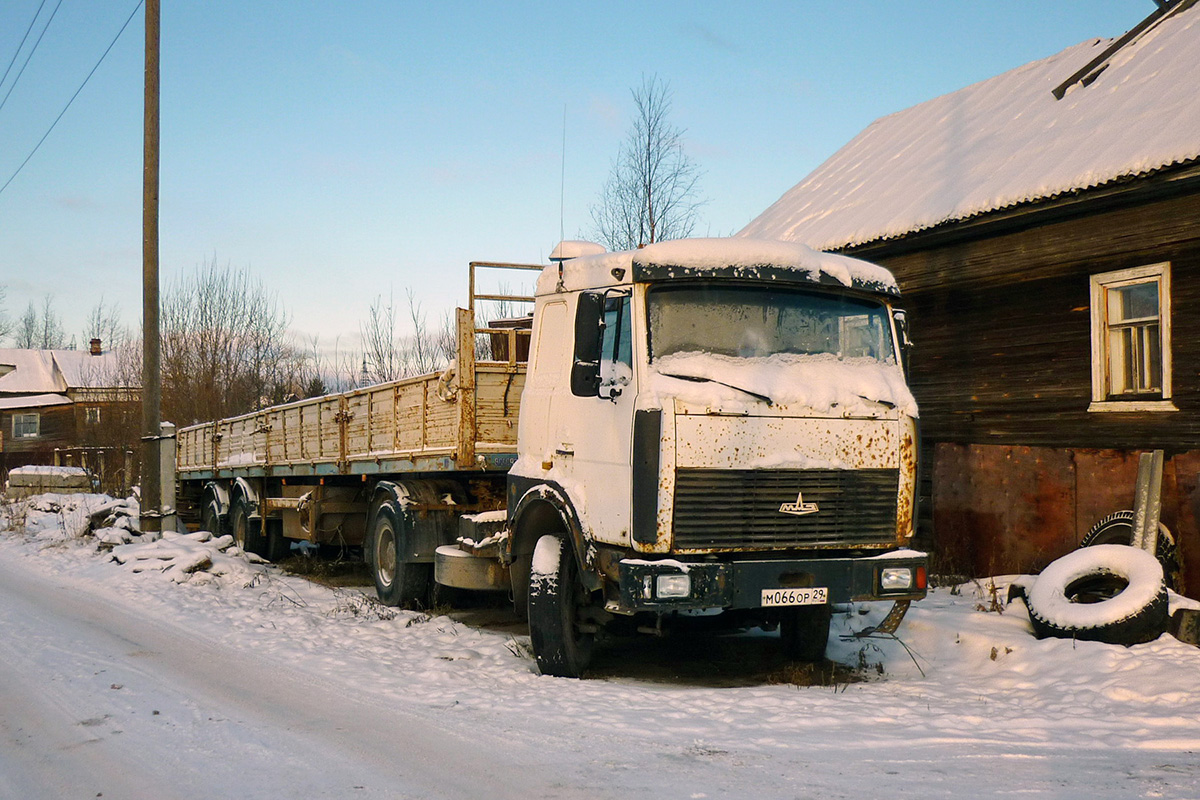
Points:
901	318
589	330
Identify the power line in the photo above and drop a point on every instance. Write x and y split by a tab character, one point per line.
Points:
8	69
31	52
72	100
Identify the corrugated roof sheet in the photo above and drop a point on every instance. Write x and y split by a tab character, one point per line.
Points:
1005	141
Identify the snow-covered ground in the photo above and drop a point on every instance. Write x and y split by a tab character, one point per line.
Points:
249	683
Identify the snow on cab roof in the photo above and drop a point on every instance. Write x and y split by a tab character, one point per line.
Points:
1006	141
756	259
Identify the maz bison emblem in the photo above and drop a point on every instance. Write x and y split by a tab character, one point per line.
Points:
799	508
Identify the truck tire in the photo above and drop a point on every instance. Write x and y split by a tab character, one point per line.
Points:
1117	528
279	546
247	531
1104	593
397	582
804	632
555	596
210	517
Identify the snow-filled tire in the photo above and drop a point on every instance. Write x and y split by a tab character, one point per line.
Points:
555	597
398	582
1108	593
1117	528
246	530
804	632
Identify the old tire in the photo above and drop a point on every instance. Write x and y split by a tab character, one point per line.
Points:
246	530
555	597
399	581
804	632
1117	528
1105	593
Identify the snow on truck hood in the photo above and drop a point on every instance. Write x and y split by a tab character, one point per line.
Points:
824	384
757	259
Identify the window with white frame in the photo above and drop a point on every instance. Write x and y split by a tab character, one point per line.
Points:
25	426
1131	339
92	415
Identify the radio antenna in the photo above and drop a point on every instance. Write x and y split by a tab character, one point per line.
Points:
562	179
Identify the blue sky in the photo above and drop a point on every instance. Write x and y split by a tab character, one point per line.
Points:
345	149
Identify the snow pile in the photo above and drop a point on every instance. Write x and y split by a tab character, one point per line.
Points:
823	383
183	557
51	518
113	525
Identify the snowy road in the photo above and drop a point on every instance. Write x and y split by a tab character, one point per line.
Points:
262	686
101	699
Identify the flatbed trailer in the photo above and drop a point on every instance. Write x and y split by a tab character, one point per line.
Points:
705	428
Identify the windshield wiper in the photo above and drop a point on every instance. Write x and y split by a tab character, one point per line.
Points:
701	379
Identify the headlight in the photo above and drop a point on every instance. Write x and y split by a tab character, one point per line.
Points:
895	579
672	586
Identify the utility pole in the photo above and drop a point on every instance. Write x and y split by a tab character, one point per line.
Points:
151	517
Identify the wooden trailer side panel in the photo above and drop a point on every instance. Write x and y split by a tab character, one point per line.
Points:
498	400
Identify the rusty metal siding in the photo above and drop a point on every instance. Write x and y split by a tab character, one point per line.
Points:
1003	509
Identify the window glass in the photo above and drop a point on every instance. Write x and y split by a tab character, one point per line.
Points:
755	322
25	426
1131	357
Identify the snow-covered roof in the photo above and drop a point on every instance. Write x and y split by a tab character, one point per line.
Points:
1006	141
55	371
759	259
33	401
35	372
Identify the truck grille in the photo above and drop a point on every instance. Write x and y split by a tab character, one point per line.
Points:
718	509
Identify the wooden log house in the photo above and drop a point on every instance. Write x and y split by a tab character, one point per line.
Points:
1045	229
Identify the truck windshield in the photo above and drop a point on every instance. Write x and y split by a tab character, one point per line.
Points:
759	321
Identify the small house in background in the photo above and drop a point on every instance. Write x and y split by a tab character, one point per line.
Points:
1044	226
69	407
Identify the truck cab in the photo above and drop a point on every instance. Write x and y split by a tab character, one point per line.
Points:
711	425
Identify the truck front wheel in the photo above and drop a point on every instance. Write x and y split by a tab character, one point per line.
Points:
804	632
398	580
555	598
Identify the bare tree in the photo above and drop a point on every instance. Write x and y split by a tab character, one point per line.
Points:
652	192
225	349
388	356
104	323
51	335
6	324
26	336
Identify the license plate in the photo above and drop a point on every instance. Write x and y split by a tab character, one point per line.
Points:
812	596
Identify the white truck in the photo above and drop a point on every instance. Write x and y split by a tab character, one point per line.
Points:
701	427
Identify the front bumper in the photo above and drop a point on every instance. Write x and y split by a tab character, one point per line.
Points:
740	584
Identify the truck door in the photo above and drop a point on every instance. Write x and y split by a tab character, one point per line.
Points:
595	421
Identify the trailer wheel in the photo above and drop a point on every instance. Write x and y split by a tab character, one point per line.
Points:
1117	528
210	517
1104	593
397	580
555	597
279	546
247	532
804	632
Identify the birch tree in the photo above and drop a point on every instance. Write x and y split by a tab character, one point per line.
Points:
652	192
